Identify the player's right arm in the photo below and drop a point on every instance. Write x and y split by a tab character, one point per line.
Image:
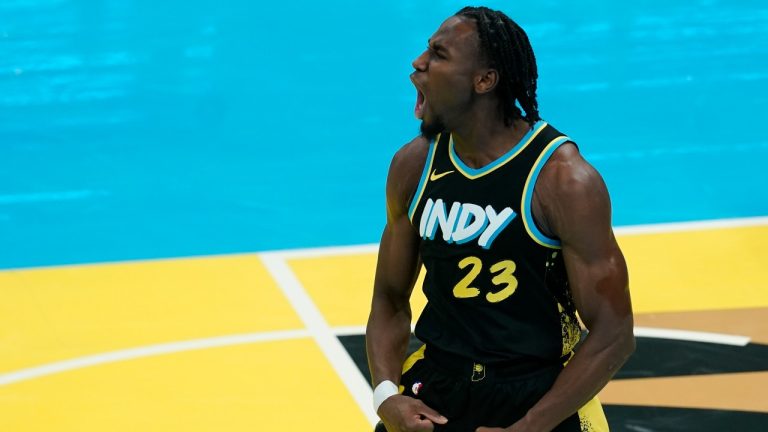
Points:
389	323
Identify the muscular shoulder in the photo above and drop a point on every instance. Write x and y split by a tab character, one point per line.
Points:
569	190
567	173
404	174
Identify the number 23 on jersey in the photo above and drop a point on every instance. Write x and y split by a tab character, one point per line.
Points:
503	277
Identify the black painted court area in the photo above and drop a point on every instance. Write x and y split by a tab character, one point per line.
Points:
656	358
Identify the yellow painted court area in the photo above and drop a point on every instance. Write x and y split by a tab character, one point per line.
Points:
60	313
341	287
720	268
276	386
55	314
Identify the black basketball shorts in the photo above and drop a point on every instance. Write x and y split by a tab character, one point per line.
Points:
471	395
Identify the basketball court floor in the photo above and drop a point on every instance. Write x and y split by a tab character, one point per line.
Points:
191	193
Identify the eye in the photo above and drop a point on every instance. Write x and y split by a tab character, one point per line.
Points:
436	52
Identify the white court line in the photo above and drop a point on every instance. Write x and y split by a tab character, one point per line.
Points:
649	332
318	327
327	251
693	336
691	226
148	351
353	330
222	341
326	337
372	248
349	331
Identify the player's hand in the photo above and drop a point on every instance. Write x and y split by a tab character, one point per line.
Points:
406	414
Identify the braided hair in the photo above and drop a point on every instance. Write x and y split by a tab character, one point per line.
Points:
506	48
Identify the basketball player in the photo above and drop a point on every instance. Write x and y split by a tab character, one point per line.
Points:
513	227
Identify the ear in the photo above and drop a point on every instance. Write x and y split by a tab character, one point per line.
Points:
486	81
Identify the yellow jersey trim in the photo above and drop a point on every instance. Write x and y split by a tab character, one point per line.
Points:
472	173
530	182
411	360
424	178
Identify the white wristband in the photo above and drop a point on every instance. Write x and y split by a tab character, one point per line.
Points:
382	392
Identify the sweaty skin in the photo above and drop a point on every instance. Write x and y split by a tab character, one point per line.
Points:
570	202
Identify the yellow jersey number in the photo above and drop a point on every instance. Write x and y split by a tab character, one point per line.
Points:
504	277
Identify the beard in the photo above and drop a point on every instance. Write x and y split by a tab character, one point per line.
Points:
432	129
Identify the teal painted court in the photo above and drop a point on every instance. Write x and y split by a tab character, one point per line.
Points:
136	129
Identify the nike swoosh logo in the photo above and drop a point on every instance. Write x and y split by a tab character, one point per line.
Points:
436	176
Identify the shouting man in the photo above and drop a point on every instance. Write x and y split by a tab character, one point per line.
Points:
513	227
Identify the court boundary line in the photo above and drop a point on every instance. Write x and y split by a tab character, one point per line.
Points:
702	225
276	263
320	330
148	351
692	336
325	251
625	230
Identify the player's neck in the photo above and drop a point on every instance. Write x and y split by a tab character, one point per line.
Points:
483	138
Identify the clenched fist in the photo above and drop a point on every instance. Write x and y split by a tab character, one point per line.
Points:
406	414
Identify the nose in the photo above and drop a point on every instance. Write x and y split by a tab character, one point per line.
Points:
420	63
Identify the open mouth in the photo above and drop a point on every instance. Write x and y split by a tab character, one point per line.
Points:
420	103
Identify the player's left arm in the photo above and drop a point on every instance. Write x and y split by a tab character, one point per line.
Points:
574	205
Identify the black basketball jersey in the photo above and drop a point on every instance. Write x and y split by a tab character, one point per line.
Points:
496	286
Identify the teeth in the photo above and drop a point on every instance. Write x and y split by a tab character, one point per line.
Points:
419	104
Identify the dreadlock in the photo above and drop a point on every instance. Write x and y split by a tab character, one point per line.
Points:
505	46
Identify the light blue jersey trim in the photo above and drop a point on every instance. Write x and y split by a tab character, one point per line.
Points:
529	223
473	173
423	182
